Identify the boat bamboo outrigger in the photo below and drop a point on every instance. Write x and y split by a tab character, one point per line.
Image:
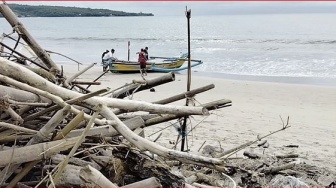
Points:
155	64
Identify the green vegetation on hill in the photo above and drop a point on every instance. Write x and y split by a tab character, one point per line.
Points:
60	11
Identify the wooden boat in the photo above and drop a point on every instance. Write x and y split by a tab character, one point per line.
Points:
167	64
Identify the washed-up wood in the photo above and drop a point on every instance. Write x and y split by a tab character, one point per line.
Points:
15	117
70	126
58	158
70	79
77	144
70	176
17	128
82	89
108	130
41	135
145	167
98	78
28	166
116	151
35	152
147	183
136	87
167	117
71	101
276	169
45	131
190	93
7	69
15	103
20	95
85	83
146	145
95	178
25	57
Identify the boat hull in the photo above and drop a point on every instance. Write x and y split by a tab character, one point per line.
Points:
135	66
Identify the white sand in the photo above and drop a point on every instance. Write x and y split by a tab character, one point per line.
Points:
256	109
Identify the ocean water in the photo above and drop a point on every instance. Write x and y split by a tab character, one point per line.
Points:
277	45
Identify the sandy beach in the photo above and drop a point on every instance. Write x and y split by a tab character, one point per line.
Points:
256	110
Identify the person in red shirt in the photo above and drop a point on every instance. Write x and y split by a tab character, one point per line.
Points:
142	60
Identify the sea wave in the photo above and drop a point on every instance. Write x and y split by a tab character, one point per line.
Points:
247	40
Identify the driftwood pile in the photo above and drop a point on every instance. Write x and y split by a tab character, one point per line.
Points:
55	132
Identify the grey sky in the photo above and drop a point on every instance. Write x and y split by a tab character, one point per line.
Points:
200	8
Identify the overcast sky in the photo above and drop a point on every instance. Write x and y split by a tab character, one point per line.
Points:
199	8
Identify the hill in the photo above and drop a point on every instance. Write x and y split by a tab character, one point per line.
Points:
60	11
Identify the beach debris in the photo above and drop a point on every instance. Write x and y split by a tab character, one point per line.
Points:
56	132
287	181
291	146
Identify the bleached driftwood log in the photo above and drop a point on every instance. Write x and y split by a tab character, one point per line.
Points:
17	128
136	87
41	135
20	95
146	145
35	152
70	126
58	158
16	117
147	183
190	93
52	97
45	74
50	126
76	146
79	73
71	101
107	130
93	176
19	73
167	117
28	166
70	176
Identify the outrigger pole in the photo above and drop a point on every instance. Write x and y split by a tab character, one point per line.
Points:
184	126
128	50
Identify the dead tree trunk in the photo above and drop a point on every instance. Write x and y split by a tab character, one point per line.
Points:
136	87
20	95
35	152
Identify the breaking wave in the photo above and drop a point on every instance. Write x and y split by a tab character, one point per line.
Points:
280	41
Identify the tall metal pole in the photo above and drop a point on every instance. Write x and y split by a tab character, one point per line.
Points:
184	126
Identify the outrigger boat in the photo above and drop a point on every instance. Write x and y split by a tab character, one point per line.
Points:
155	64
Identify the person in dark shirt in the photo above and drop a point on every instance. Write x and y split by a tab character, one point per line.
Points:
146	53
105	60
104	54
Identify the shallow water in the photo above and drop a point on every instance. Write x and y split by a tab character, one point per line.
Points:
283	45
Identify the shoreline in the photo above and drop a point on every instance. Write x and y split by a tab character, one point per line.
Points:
316	81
